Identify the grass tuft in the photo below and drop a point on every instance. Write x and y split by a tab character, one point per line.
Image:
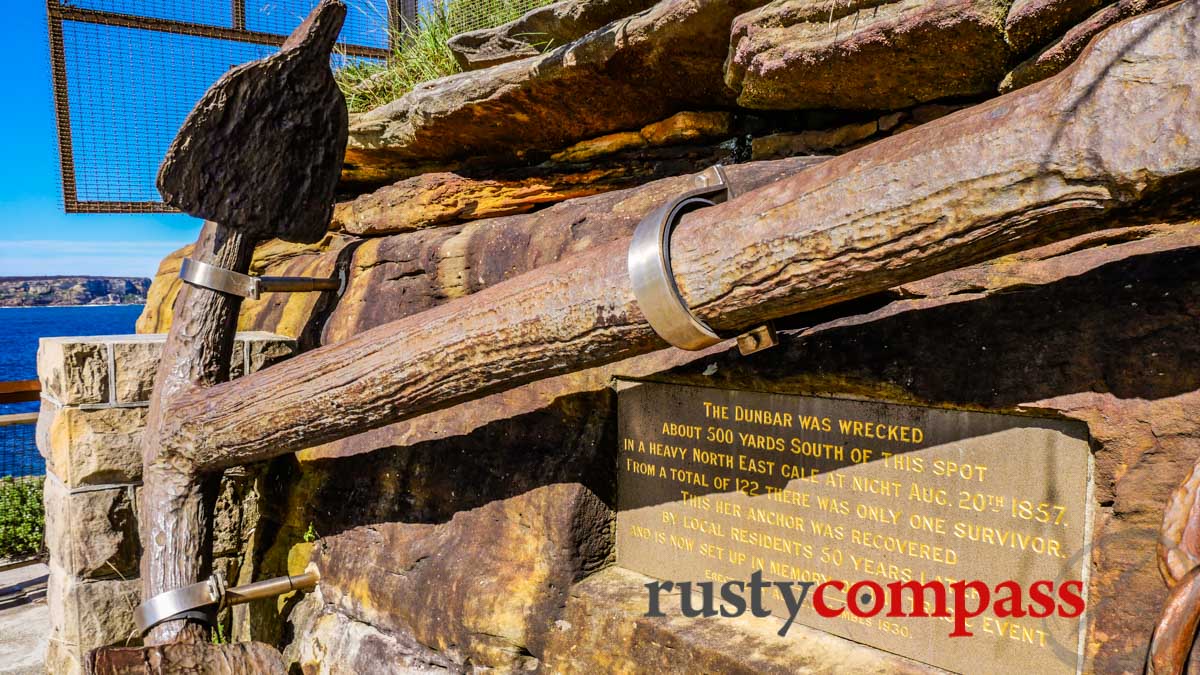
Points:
422	54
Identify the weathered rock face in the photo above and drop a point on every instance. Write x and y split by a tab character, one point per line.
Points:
539	30
667	59
187	658
589	167
92	535
404	274
342	646
85	615
796	54
1034	23
530	518
781	55
525	552
89	430
1063	51
604	630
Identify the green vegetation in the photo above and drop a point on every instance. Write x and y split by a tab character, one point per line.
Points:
310	535
21	516
422	54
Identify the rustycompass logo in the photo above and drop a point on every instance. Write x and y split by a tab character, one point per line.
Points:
958	601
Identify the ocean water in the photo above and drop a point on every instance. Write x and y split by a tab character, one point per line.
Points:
20	328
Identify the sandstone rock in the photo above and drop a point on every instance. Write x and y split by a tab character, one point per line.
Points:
1066	49
667	59
686	127
446	198
95	442
92	534
77	368
597	147
615	162
134	377
538	30
524	551
1034	23
263	349
209	659
236	513
136	360
164	288
85	615
604	629
289	314
682	127
812	142
91	447
333	644
864	54
73	371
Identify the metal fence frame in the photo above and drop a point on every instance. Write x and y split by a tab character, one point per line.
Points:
401	14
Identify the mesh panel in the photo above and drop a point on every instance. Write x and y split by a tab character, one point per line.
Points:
468	15
127	72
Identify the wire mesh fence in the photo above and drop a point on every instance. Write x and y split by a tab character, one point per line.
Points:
22	472
468	15
125	74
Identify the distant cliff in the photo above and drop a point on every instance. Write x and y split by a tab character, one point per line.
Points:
47	291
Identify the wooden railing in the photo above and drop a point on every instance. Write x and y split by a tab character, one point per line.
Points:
20	391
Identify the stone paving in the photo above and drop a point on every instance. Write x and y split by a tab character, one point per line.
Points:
24	627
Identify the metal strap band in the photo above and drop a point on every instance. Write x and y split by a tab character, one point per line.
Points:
219	279
227	281
179	604
650	265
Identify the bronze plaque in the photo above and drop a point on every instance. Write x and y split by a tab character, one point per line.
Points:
714	485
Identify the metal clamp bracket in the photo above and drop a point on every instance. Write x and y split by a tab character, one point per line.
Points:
219	279
654	283
200	601
196	601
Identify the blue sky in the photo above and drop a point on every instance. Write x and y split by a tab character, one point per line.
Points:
36	236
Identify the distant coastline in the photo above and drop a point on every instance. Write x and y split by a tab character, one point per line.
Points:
98	304
72	291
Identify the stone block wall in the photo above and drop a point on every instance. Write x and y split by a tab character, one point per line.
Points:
95	394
